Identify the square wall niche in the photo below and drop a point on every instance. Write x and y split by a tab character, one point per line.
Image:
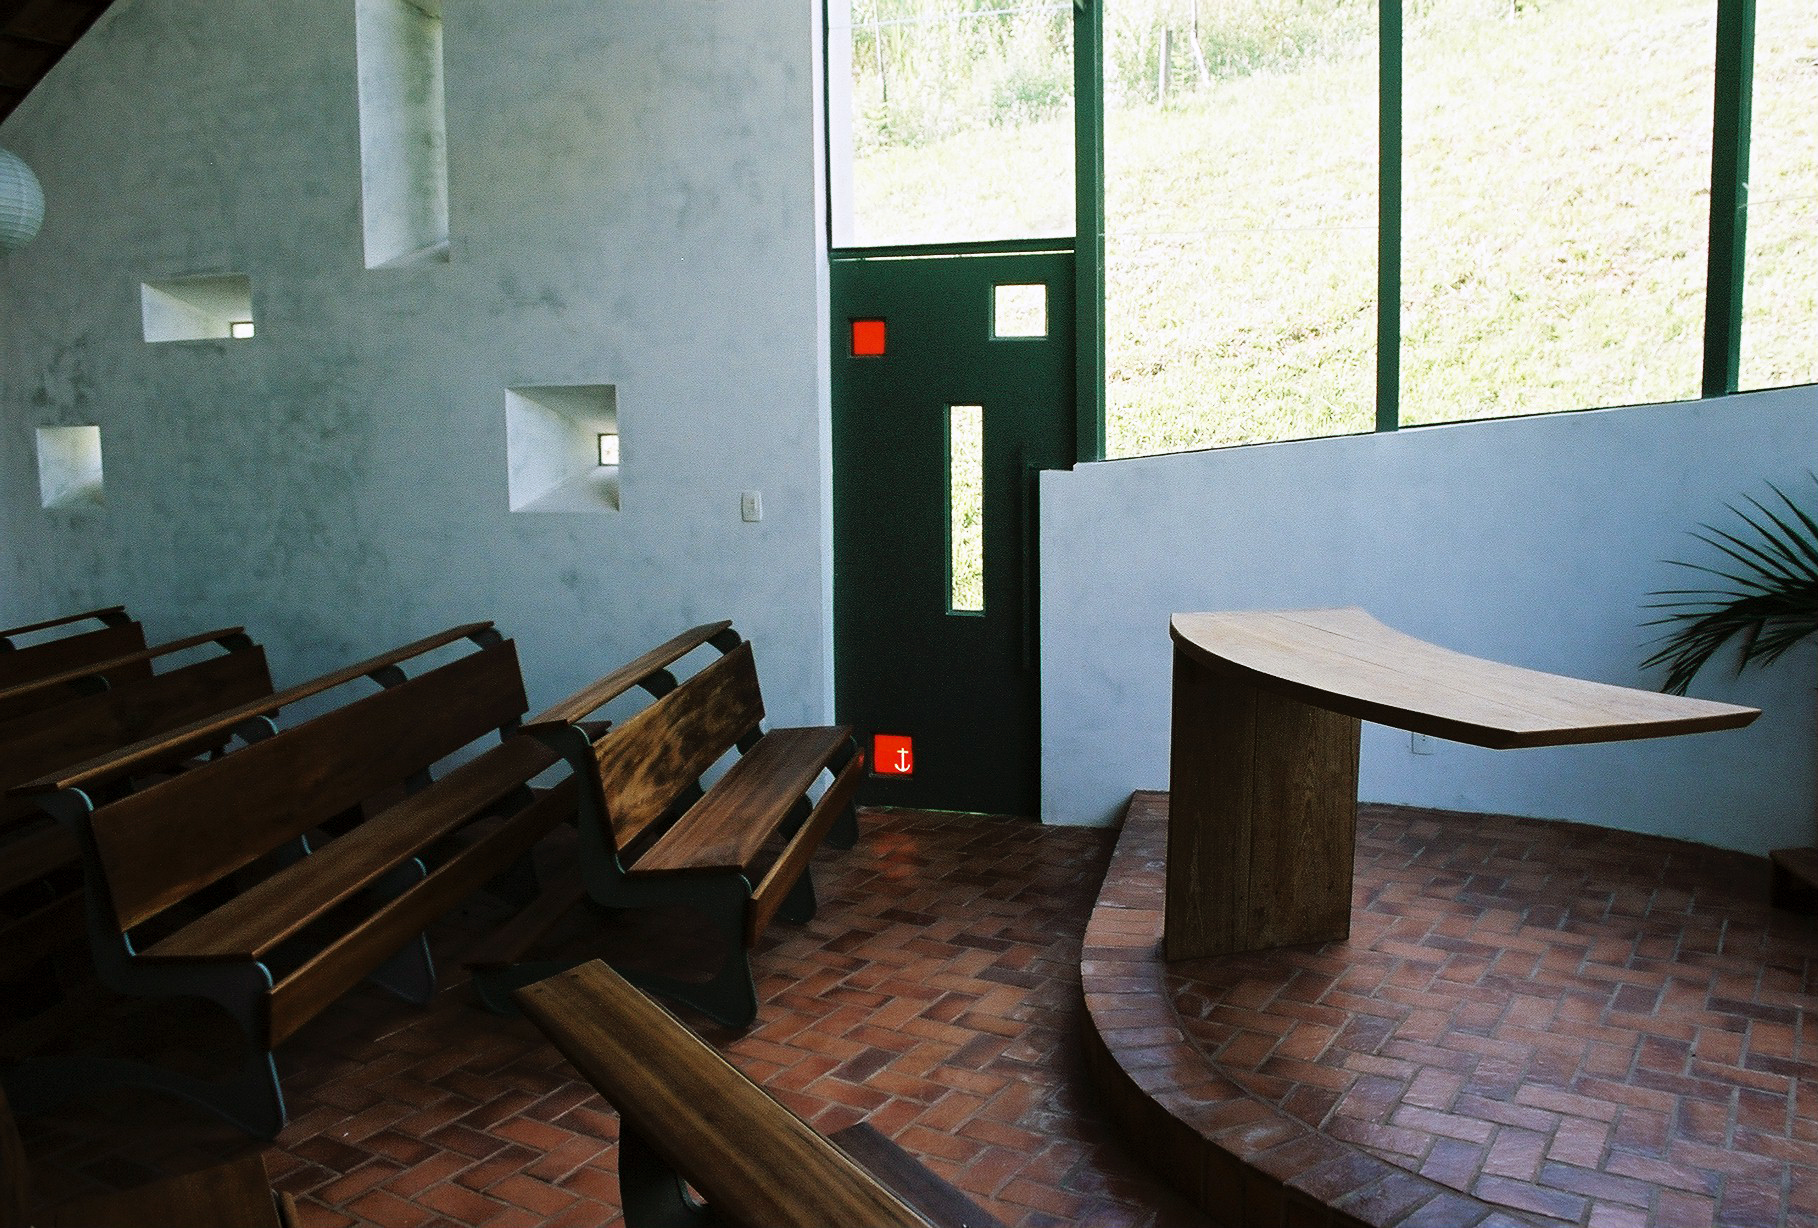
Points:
559	439
197	308
69	466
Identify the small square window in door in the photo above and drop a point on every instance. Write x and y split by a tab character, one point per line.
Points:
1019	310
867	338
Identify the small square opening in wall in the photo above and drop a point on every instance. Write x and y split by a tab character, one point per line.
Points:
197	308
69	466
562	447
1020	310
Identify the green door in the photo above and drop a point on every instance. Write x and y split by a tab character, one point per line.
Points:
952	387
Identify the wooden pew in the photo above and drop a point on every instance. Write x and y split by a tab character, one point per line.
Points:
236	1194
248	721
40	904
53	722
107	616
686	1114
116	639
651	837
101	742
52	690
342	909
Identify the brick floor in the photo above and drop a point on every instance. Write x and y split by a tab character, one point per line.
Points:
1531	1022
936	994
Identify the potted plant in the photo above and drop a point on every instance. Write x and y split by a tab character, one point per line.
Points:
1763	592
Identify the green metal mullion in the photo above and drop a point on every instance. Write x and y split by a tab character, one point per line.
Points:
1388	224
1089	229
1729	196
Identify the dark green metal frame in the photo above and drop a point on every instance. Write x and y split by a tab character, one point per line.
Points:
1728	224
1729	195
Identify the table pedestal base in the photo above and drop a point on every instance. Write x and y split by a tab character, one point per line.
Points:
1262	823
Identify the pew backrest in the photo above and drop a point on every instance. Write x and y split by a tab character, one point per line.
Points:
22	665
87	725
94	776
657	756
160	845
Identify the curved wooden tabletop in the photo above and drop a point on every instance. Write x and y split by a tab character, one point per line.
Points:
1343	660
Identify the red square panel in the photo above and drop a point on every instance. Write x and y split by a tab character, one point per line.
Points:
892	754
867	338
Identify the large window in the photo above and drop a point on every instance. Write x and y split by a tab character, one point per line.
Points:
1556	204
1240	221
951	121
1330	216
1780	286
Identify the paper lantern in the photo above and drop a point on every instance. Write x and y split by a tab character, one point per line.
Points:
21	202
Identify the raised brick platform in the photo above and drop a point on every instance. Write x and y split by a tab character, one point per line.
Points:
1532	1023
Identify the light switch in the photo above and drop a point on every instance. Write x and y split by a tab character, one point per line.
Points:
751	505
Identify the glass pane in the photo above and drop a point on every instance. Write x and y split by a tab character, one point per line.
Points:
966	508
1020	311
951	120
1780	287
1240	211
1556	195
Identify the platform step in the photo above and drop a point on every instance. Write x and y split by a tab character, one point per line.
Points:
1795	881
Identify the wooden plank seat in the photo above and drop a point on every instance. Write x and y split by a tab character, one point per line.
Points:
651	836
234	1194
686	1114
334	910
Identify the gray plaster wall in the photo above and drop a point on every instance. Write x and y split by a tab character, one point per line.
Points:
1533	540
634	199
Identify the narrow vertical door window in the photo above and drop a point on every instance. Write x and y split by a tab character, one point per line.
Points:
966	509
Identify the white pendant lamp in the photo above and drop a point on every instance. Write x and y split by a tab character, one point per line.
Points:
21	202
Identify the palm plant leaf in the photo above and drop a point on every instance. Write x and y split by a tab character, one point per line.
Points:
1761	592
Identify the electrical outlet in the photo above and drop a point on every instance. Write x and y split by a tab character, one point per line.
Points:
751	505
1421	743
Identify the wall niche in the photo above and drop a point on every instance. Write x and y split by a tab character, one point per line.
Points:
403	132
562	447
69	467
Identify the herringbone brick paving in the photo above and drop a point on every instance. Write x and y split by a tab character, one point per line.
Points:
1564	1024
936	995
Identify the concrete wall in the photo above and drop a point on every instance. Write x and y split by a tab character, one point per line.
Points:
1533	541
633	199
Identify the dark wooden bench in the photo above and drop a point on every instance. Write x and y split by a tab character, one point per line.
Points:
250	721
650	836
40	897
118	636
688	1115
235	1194
101	742
107	616
336	910
88	710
